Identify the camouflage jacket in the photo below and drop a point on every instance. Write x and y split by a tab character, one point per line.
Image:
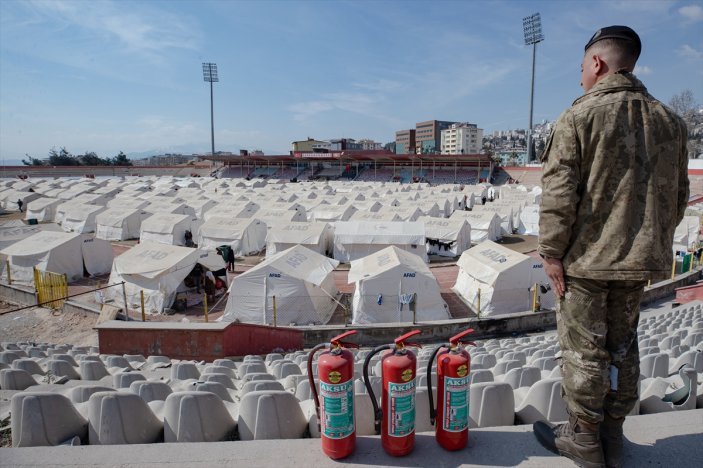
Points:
615	184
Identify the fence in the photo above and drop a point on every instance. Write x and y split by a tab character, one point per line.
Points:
52	288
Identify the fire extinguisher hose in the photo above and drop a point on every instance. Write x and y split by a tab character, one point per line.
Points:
433	410
311	378
378	414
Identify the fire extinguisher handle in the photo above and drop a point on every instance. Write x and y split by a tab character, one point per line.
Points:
338	340
454	340
400	341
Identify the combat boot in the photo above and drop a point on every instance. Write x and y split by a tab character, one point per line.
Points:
611	438
577	440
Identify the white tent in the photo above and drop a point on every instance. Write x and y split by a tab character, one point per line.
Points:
42	209
243	209
485	225
298	280
504	277
375	216
504	211
166	228
404	212
315	236
391	283
331	213
10	197
446	237
156	269
529	220
686	233
80	218
58	252
246	236
276	217
11	234
357	239
119	224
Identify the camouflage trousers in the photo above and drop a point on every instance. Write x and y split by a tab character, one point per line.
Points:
597	327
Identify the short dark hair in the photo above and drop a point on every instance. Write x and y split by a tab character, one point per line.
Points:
625	52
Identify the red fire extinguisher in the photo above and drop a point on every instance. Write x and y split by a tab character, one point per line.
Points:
335	417
395	421
452	413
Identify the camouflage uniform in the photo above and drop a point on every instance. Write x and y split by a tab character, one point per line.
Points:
615	186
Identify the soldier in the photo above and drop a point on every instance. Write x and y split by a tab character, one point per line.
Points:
615	187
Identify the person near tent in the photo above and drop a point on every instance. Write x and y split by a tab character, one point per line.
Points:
188	238
19	204
615	186
227	254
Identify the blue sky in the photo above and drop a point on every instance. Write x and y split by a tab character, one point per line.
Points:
126	76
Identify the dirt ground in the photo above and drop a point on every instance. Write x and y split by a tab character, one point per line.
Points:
43	325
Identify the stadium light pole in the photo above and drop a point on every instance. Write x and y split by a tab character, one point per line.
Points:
210	75
532	28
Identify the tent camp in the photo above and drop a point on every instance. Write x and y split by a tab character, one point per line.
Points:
246	236
119	224
686	234
43	209
166	228
315	236
485	225
298	281
357	239
80	218
446	237
159	271
58	252
529	220
504	277
390	284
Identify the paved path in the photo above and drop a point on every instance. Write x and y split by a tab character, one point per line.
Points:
664	439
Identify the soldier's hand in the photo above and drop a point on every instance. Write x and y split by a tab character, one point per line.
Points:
555	272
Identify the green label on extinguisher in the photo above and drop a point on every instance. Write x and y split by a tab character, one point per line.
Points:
401	405
337	409
456	404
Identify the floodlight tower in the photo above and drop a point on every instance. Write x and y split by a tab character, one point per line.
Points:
210	75
532	27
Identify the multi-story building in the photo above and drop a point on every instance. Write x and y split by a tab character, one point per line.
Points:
306	146
370	145
405	141
428	136
462	138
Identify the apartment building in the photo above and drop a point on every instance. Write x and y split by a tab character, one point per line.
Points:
428	136
462	138
405	141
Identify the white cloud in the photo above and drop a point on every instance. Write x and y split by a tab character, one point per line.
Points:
142	30
689	52
692	13
642	70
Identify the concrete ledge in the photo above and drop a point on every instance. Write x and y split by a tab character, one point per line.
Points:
15	294
667	288
432	332
663	439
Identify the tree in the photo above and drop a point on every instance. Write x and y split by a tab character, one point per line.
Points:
90	158
684	104
30	161
121	160
62	158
